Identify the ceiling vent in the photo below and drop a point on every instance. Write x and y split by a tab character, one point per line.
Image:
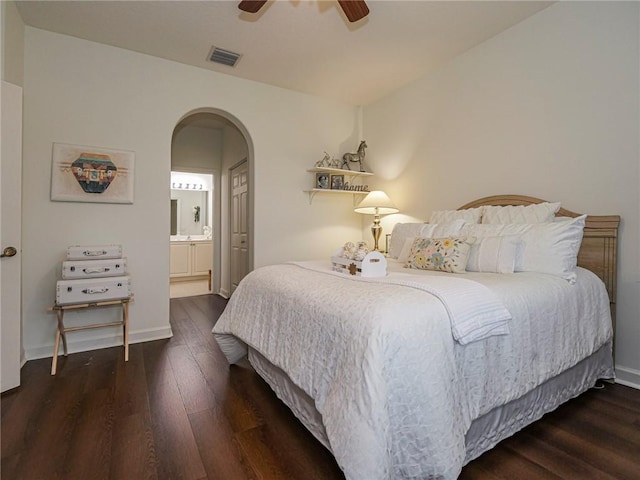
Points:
224	57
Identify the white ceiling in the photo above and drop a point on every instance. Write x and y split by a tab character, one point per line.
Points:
303	45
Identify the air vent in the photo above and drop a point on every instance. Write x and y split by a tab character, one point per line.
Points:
225	57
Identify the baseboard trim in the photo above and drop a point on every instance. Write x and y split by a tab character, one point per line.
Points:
224	293
150	335
628	377
96	343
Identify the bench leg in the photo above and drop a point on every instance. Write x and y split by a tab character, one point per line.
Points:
54	361
60	315
56	347
125	329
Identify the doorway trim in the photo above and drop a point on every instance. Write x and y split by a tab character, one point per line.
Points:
230	194
221	237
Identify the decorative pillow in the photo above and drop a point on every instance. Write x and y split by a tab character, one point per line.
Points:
442	254
439	230
469	215
536	213
400	232
544	247
494	254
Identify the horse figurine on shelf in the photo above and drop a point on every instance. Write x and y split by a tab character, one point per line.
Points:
354	157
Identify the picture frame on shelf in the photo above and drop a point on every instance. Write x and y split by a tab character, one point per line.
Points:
337	182
323	181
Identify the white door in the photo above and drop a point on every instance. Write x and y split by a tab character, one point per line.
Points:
239	224
10	233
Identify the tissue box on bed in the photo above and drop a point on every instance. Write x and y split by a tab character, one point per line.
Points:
372	265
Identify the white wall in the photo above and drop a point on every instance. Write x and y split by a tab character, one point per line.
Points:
81	92
196	149
549	108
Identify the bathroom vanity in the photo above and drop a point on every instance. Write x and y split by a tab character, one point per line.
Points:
191	257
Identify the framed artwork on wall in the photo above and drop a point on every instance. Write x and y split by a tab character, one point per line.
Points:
80	173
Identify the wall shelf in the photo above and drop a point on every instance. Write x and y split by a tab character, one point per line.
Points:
340	171
350	174
312	193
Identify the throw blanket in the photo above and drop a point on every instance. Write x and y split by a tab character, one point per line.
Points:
474	311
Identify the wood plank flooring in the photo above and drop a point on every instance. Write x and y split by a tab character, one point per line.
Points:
176	410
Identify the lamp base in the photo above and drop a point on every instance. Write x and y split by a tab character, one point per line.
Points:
376	231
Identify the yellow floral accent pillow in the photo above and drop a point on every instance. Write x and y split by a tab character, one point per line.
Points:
449	254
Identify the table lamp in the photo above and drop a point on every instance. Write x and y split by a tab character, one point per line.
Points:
376	203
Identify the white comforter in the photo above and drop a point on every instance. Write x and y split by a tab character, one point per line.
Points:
396	392
474	311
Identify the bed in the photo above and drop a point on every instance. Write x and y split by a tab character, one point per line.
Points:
415	374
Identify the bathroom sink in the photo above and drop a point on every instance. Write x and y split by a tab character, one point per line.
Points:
186	238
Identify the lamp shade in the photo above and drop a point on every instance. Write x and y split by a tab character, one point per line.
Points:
376	203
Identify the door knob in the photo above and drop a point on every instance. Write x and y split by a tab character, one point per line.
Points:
8	252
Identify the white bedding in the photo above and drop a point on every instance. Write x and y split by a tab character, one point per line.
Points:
397	393
474	311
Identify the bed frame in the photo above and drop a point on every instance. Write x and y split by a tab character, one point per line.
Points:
599	249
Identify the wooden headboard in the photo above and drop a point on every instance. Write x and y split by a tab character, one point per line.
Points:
599	249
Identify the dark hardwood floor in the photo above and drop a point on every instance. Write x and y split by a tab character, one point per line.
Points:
176	410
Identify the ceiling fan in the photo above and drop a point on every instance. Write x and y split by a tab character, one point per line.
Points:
353	9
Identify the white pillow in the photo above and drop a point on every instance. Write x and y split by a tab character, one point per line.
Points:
544	247
406	250
441	230
469	215
494	254
536	213
484	230
400	232
481	230
552	248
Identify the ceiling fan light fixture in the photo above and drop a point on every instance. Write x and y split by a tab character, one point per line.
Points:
354	9
251	6
223	57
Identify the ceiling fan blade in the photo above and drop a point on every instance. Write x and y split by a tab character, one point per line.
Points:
354	9
251	6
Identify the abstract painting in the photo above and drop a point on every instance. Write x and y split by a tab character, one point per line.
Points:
91	174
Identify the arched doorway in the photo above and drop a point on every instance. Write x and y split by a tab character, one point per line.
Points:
214	140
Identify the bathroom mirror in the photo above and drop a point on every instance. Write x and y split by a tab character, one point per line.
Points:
189	212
